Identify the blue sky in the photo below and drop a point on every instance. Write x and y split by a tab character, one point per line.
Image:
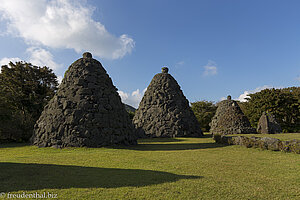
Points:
212	47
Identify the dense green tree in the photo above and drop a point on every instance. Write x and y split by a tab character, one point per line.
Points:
204	112
24	91
283	103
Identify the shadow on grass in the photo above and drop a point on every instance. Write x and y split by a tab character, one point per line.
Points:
22	176
149	140
170	147
207	135
13	144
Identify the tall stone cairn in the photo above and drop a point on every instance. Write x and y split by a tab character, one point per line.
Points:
164	111
229	119
85	111
268	125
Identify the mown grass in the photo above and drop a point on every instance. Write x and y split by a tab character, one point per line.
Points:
184	168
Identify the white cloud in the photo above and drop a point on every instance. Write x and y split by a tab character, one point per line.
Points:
210	68
298	78
38	57
123	95
5	61
180	63
42	57
245	95
132	99
62	24
59	79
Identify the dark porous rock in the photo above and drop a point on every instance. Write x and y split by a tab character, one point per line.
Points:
85	111
295	146
164	111
270	143
268	125
291	146
255	142
164	70
224	140
87	55
245	141
229	119
266	143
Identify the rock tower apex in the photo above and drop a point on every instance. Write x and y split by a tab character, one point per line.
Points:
87	55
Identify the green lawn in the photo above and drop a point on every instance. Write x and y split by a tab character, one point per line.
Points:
184	168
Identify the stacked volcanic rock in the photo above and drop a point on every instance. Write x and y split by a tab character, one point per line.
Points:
164	111
268	125
229	119
85	111
260	142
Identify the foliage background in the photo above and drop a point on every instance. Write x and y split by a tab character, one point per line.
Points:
24	91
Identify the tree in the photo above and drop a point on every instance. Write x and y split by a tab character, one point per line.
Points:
204	112
24	91
283	103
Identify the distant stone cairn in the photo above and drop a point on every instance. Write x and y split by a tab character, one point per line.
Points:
268	125
164	111
229	119
85	111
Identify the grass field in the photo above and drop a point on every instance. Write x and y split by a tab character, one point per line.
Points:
183	168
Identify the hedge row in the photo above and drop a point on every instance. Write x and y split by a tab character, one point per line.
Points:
260	142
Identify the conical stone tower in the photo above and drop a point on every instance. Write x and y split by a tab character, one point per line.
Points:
268	125
85	111
229	119
164	111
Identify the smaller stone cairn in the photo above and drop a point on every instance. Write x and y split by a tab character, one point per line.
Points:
230	119
164	111
268	125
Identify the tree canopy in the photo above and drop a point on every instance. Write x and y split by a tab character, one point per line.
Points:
24	91
283	103
204	112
